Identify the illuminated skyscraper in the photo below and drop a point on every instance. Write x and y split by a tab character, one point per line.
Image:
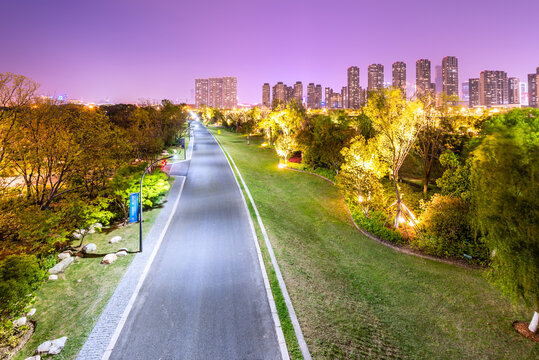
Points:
422	77
399	76
279	93
532	90
298	92
344	97
353	98
311	96
376	77
201	92
450	76
465	91
473	85
215	97
513	91
493	88
318	96
438	77
327	93
266	93
230	92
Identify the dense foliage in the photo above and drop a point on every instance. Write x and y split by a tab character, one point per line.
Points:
64	167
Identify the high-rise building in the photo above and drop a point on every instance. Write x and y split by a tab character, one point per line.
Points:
230	92
201	92
376	77
311	96
344	97
438	77
524	93
266	101
399	76
289	94
215	94
318	96
465	91
279	93
353	98
327	96
298	91
493	88
513	92
422	77
473	85
532	90
450	76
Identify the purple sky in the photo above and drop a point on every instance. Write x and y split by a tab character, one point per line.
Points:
131	49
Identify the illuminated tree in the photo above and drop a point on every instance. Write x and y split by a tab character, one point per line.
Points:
361	172
397	122
505	198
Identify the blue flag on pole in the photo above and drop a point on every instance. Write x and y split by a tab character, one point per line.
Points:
133	207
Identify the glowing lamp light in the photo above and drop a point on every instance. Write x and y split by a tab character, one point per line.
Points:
264	144
360	198
281	166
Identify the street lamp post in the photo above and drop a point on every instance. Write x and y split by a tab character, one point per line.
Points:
140	199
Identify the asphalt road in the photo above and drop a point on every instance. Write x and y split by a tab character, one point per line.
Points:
204	297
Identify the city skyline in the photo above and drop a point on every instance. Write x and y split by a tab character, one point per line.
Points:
126	51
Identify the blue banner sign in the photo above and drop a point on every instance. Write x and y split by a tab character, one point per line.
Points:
133	207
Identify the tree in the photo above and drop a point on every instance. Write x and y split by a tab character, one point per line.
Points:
289	121
361	172
505	198
397	122
438	122
16	93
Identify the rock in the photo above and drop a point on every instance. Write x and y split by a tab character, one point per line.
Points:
123	249
37	357
58	345
79	280
109	259
62	265
79	233
31	312
64	255
53	277
121	253
89	248
52	347
115	240
97	225
20	322
91	231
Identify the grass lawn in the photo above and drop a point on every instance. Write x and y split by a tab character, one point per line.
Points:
71	305
356	298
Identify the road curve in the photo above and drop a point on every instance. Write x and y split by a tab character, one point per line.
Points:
204	296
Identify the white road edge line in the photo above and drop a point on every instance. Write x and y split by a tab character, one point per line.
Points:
269	294
291	312
131	302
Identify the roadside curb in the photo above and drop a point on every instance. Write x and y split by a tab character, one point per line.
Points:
291	312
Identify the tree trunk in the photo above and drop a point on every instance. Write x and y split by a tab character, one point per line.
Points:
534	323
248	139
398	212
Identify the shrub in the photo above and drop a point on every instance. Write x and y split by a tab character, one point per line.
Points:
20	276
448	230
375	225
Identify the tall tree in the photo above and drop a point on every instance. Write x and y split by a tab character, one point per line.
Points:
16	93
397	122
505	198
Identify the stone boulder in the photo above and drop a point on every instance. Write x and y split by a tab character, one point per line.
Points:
89	248
31	312
64	255
109	259
53	277
79	233
52	347
121	253
115	239
19	322
37	357
61	266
